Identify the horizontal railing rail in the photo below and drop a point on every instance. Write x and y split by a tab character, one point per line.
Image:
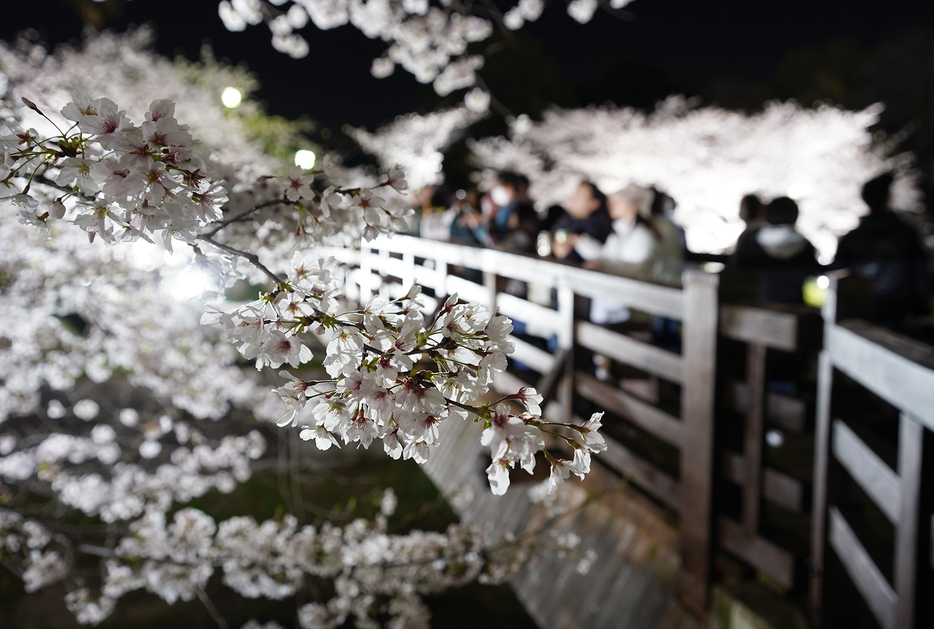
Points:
900	372
790	329
551	338
660	399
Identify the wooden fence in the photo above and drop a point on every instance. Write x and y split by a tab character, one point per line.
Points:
661	435
901	373
782	330
389	265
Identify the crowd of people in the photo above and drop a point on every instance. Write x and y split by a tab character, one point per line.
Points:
632	232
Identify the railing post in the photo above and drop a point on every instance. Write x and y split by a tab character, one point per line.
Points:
408	278
910	454
752	444
566	342
441	273
697	413
366	273
822	450
489	282
382	265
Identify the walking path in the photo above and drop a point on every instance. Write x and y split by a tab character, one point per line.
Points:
631	585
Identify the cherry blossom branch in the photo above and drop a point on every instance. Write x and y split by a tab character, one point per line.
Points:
141	192
497	17
219	225
212	610
252	258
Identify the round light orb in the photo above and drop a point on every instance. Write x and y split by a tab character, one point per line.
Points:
775	438
190	283
814	290
231	97
305	159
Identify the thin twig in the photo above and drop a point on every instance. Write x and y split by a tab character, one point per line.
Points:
497	17
495	102
45	181
203	597
99	551
295	452
236	217
252	258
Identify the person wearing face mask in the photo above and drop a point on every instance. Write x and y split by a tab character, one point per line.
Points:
628	250
511	190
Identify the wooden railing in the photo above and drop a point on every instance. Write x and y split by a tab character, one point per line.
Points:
389	265
901	373
662	436
794	332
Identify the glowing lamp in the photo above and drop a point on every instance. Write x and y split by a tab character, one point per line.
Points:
231	97
190	283
305	159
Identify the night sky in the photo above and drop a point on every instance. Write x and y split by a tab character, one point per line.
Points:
671	46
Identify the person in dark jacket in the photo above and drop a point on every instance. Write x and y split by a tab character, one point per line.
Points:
586	214
511	190
888	251
523	230
752	212
778	254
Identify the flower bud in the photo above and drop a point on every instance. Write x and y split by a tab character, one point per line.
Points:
57	210
31	105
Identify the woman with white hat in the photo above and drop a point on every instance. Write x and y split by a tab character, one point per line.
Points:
629	250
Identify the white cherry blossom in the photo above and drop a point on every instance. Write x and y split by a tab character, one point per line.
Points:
395	374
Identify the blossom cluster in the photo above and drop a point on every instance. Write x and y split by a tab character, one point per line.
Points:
123	183
129	182
517	439
124	466
422	38
29	546
126	182
81	313
374	573
401	377
429	41
395	375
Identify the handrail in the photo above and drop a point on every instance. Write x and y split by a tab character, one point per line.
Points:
694	303
653	297
897	371
902	373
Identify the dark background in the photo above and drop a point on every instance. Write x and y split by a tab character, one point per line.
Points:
734	53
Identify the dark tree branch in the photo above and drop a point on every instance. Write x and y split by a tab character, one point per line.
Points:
252	258
240	215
